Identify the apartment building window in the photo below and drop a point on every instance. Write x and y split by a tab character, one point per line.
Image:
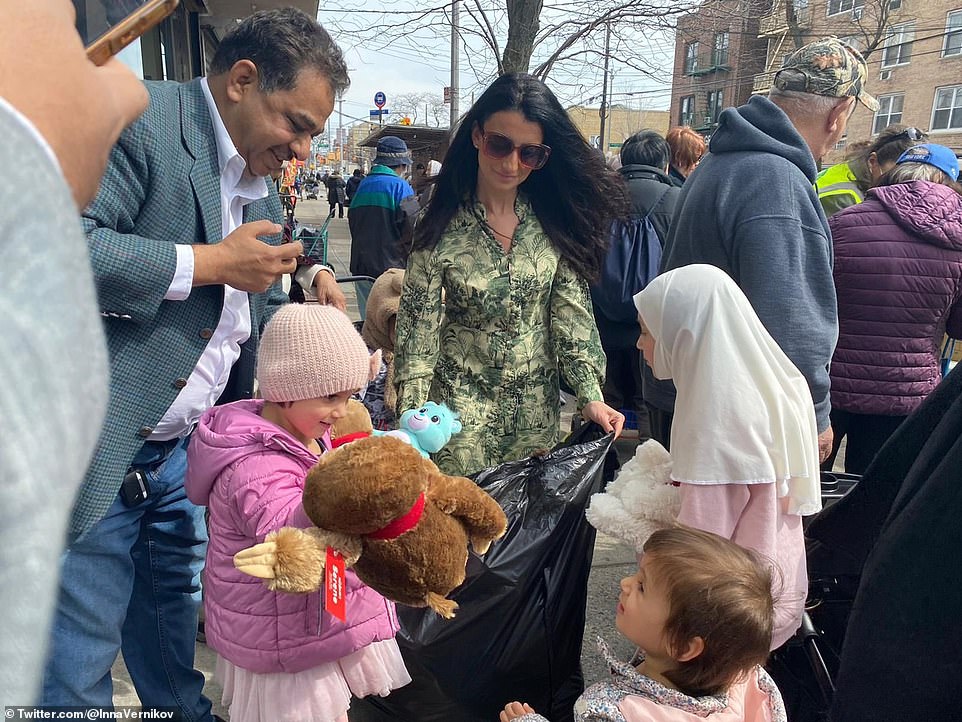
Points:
715	101
853	41
889	111
719	53
691	58
687	116
843	6
953	34
895	5
897	49
947	113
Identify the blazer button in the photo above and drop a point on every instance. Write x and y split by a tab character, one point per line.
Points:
206	333
145	432
180	383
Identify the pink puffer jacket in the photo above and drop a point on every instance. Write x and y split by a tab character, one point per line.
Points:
250	474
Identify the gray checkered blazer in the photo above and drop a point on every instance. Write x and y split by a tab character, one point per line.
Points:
162	187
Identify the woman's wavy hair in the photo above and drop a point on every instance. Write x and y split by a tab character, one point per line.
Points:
574	196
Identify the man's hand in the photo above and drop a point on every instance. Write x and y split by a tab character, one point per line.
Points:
328	291
78	108
513	710
825	441
243	261
606	417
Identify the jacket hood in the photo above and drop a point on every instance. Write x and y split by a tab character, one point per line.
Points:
761	126
931	211
225	435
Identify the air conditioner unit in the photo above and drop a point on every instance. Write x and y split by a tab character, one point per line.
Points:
856	13
885	75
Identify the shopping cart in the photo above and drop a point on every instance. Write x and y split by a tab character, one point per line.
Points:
314	241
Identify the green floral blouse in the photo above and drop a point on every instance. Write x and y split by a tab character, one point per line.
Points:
492	350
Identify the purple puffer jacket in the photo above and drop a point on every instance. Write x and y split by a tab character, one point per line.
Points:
250	474
898	274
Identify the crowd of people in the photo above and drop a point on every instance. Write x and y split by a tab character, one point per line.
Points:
764	311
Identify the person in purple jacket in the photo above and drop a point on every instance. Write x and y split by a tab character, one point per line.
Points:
898	276
282	656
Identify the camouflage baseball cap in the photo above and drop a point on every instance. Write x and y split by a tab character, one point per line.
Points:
827	67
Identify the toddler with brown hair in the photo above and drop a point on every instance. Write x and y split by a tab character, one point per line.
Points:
700	610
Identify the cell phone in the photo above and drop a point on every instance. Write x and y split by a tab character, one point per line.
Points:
135	488
108	26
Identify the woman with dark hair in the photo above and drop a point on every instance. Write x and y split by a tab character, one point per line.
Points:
845	184
898	274
516	228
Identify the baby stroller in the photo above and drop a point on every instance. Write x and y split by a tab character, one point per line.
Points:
310	189
885	600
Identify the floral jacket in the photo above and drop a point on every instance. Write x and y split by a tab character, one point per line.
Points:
493	350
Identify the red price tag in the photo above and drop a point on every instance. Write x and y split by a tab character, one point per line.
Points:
334	584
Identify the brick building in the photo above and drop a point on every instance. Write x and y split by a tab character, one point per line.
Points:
914	54
718	53
621	123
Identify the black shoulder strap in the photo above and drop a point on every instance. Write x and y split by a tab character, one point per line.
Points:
661	197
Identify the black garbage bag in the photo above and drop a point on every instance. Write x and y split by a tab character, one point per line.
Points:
518	630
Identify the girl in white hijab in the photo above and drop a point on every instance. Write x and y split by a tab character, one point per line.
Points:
744	443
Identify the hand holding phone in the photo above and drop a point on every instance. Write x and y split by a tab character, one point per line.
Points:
105	36
78	108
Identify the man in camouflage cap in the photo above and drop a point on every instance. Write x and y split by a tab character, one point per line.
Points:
750	208
827	67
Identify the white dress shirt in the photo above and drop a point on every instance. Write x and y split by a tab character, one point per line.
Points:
209	377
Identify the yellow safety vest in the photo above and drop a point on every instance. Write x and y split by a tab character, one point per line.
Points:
837	188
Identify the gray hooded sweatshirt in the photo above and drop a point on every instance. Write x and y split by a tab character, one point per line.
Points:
750	208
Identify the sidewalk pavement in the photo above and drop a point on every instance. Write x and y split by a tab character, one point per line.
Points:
612	561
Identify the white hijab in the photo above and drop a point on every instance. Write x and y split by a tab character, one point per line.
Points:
743	413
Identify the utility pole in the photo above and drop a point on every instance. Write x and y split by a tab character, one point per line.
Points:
603	110
340	133
455	47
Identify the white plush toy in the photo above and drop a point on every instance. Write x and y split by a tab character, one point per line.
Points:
640	500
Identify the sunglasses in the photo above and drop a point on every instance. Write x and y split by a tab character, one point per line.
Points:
913	134
498	146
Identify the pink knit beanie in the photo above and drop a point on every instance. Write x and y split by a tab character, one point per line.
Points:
309	351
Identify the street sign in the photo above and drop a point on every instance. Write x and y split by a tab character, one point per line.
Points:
447	94
379	112
380	99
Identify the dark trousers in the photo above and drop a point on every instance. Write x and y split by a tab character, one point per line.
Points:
340	208
623	386
864	434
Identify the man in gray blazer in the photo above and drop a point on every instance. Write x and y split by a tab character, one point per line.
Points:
59	117
184	242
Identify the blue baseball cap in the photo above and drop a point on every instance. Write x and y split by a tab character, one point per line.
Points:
937	155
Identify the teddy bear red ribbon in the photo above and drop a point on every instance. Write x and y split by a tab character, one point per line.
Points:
402	524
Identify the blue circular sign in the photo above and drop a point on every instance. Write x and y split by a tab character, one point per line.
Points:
380	99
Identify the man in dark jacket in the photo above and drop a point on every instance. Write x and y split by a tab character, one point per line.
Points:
381	213
644	166
352	183
751	209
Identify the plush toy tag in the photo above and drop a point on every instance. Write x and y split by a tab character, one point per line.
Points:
334	584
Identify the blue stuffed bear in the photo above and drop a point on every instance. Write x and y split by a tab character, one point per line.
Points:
427	429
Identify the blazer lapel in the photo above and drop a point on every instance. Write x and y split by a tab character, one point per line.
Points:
198	133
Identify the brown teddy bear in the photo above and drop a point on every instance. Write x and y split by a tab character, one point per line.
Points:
400	522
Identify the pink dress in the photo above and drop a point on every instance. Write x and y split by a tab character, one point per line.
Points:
319	694
752	516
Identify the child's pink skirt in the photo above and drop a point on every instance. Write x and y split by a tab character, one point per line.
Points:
320	694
